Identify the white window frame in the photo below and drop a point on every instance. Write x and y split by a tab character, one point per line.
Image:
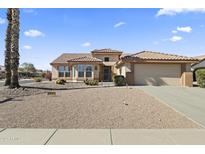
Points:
67	70
90	71
61	71
81	66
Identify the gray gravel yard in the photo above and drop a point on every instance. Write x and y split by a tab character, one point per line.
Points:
37	88
91	108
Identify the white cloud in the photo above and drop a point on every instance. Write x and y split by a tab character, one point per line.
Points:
175	11
175	38
119	24
202	26
186	29
33	33
86	44
27	47
174	31
2	21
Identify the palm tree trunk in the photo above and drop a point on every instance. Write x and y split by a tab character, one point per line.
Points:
15	48
8	49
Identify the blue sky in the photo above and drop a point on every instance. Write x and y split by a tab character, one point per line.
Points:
47	33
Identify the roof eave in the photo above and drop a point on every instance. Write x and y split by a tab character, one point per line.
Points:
98	52
160	60
84	61
198	62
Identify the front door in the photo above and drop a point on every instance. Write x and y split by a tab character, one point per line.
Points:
107	74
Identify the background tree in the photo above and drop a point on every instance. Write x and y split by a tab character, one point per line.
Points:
28	67
15	48
27	70
8	49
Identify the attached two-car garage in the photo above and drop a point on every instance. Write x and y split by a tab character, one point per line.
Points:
157	74
157	69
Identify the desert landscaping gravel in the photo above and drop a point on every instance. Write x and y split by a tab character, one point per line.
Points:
91	108
37	88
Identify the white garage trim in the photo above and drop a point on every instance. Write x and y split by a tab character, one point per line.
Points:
157	74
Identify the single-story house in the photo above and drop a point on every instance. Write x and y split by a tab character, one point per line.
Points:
98	65
2	71
200	64
142	68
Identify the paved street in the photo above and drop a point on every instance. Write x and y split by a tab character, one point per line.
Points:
22	81
102	136
189	101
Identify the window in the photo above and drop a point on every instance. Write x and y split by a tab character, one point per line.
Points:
67	71
96	68
61	71
80	70
89	71
106	59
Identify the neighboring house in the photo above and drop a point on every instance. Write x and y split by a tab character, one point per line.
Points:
143	68
2	68
2	71
199	64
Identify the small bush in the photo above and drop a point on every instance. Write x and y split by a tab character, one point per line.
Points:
91	82
86	81
119	80
200	77
60	81
37	79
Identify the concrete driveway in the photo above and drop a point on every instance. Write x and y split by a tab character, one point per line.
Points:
189	101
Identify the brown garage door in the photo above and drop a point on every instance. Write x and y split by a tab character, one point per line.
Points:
157	74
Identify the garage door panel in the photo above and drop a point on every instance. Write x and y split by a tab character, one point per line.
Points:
157	74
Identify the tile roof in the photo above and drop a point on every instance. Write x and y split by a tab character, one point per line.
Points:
125	54
85	59
200	57
66	56
108	50
150	55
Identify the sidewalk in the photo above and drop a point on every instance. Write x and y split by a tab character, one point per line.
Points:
102	136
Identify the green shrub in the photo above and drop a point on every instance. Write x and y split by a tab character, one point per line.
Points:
91	82
200	77
86	81
119	80
60	81
37	79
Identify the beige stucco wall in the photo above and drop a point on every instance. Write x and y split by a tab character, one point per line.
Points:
187	79
115	70
125	69
54	72
96	72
